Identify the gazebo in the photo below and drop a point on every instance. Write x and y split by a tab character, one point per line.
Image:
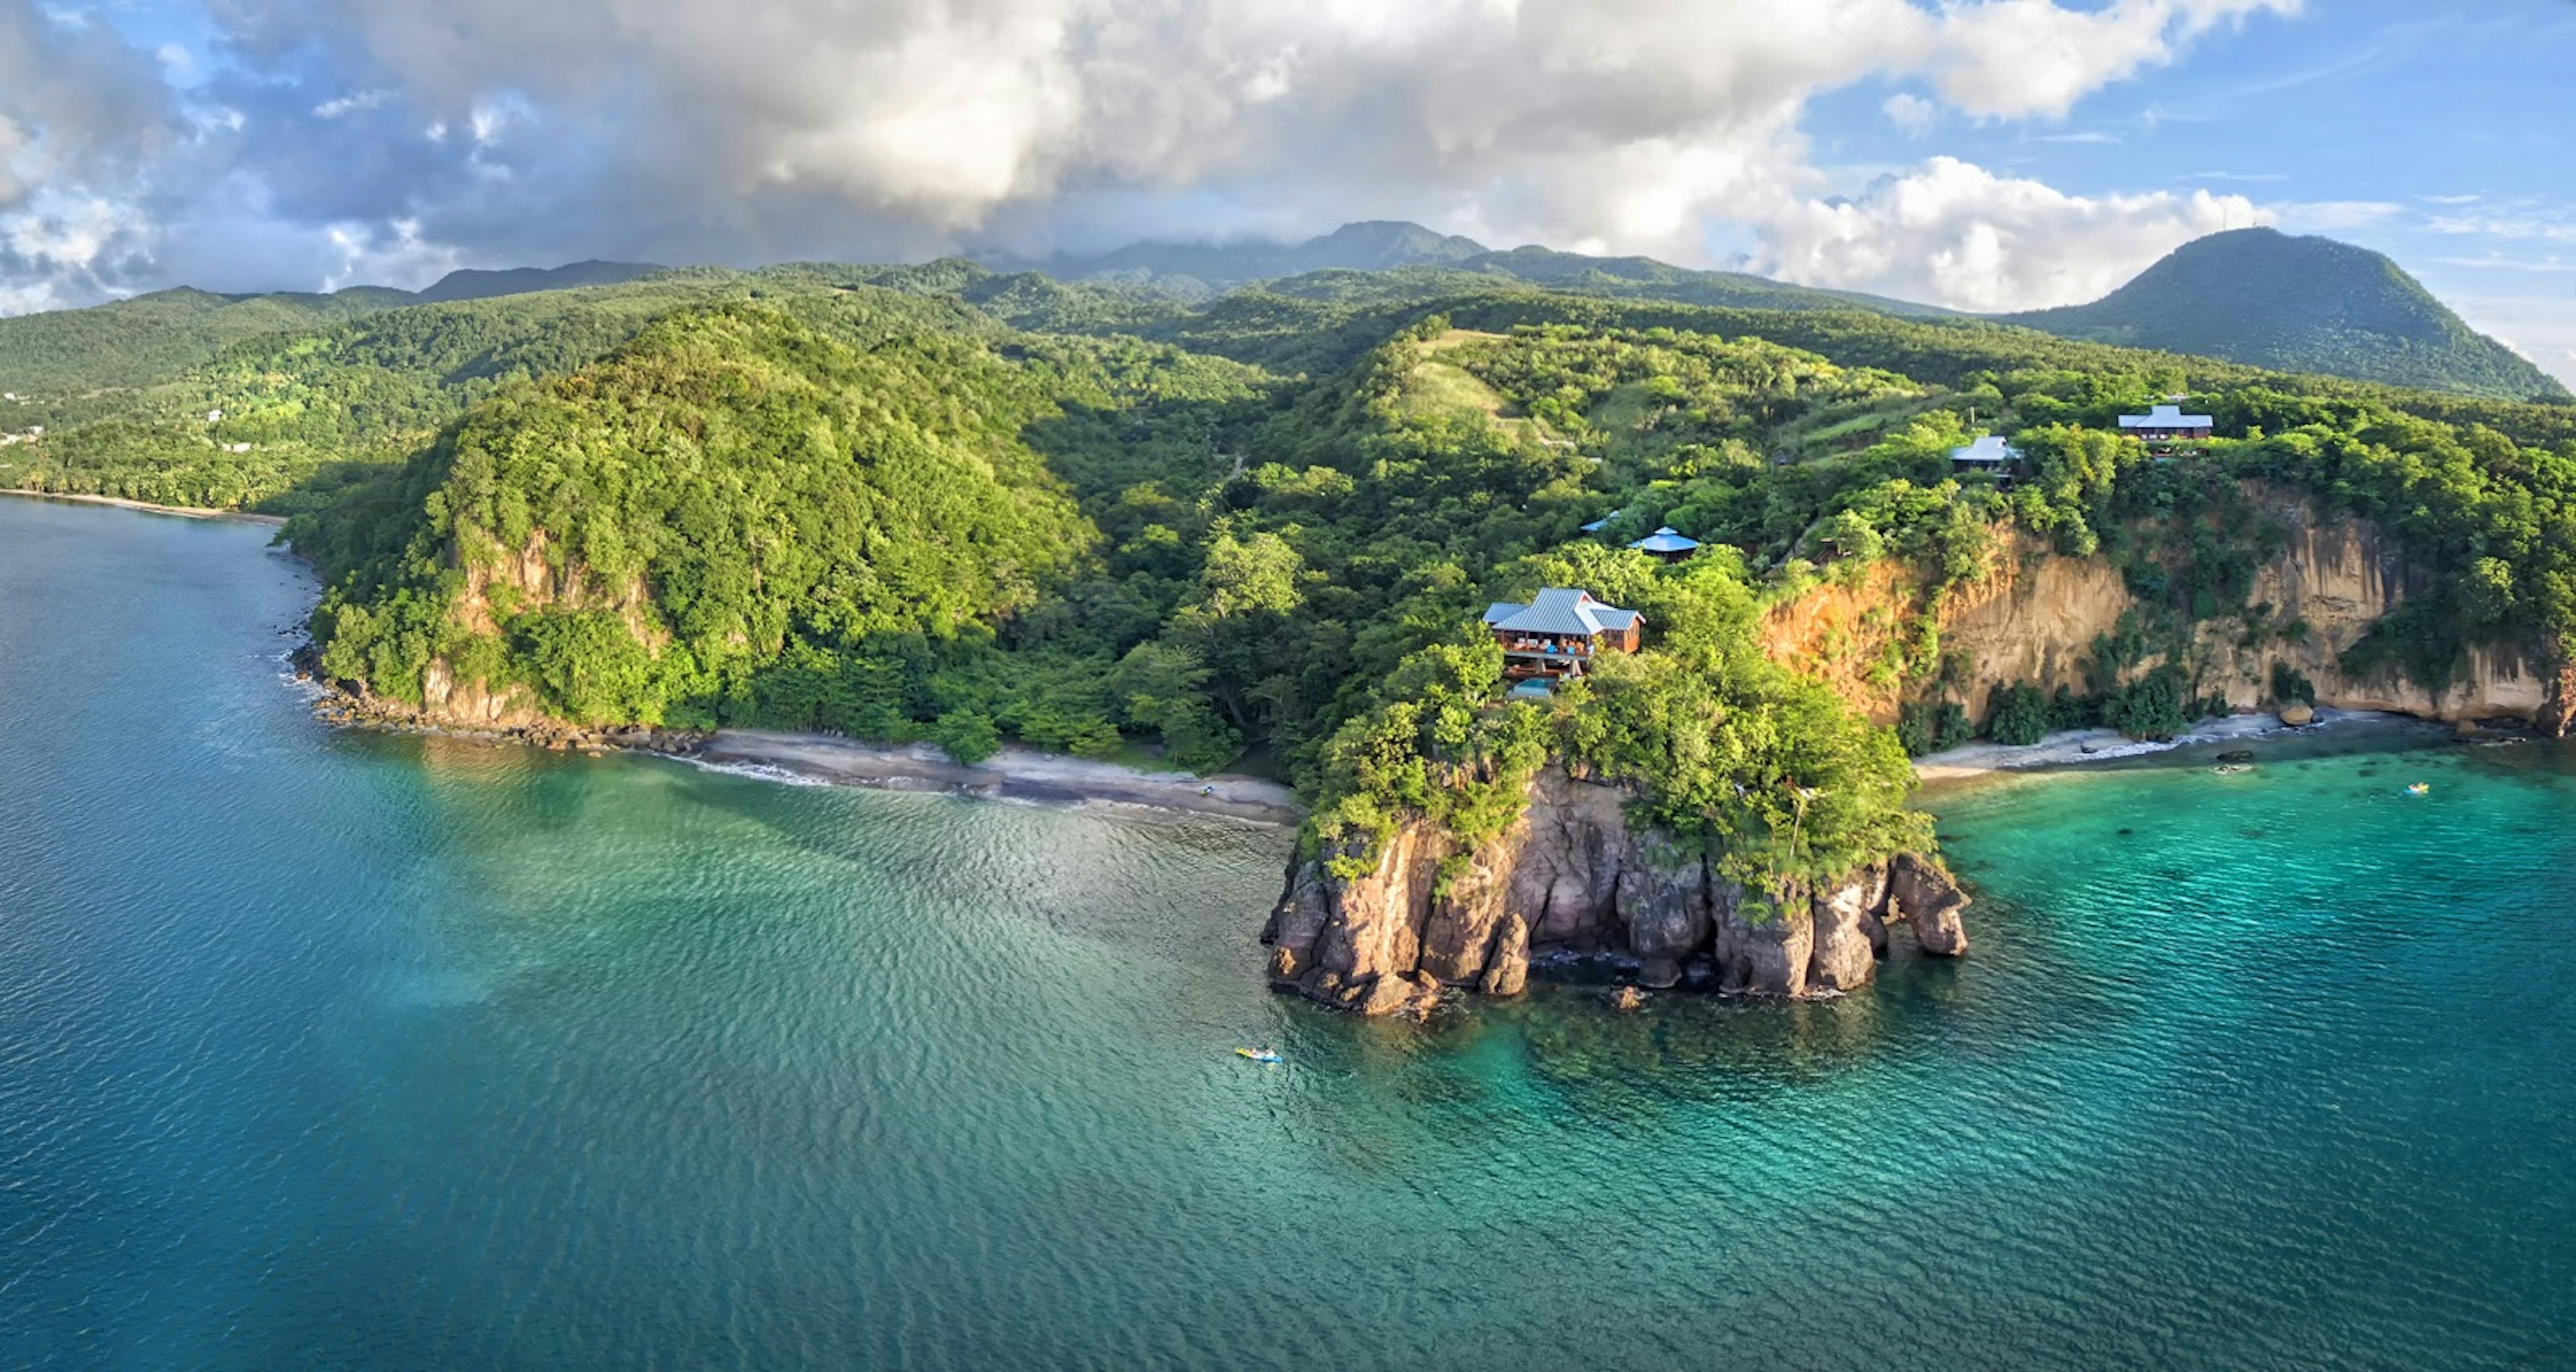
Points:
1666	545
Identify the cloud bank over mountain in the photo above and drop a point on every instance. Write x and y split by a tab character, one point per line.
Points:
298	142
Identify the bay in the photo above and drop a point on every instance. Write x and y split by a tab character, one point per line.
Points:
337	1049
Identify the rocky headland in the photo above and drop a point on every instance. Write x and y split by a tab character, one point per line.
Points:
1573	876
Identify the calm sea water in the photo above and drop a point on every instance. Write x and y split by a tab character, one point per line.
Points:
330	1049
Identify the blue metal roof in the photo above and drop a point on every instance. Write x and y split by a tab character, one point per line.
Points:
1558	610
1664	540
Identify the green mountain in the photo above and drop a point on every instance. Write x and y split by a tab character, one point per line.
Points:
154	338
2261	297
1197	271
472	284
1208	267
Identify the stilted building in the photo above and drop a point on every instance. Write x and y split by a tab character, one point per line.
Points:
1558	634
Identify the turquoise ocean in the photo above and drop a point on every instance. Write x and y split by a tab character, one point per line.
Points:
326	1049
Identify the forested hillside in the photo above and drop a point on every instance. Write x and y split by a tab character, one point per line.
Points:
1196	271
72	355
2263	298
943	503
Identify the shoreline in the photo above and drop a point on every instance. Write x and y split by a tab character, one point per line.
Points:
1015	773
2079	747
147	507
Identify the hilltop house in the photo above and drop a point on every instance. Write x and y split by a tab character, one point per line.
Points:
2165	424
1557	634
1988	454
1666	545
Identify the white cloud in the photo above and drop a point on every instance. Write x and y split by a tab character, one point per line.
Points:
397	258
13	142
1532	117
762	129
1912	115
60	250
2014	58
351	104
1955	234
2521	224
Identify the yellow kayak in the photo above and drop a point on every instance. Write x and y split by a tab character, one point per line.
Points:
1257	1054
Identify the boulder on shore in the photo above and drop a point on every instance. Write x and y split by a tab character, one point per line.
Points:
2298	716
1923	892
1507	971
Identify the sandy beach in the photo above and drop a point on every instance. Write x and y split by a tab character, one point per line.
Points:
2073	747
1021	774
183	511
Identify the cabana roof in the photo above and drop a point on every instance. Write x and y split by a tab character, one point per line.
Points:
2167	417
1664	540
1560	611
1990	450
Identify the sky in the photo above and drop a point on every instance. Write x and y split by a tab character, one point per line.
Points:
1979	154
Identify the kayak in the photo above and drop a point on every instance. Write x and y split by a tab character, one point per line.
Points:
1257	1054
2421	788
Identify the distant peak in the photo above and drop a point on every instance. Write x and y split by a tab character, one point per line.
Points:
476	283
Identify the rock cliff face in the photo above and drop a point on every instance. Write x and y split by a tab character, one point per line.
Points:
1573	876
2035	615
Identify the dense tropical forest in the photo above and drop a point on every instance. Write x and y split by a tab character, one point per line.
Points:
940	503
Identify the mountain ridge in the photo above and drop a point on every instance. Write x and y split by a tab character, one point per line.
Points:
1197	271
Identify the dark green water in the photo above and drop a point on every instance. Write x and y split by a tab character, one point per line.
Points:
330	1050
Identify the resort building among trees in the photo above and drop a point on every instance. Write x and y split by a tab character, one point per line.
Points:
1666	545
2165	425
1557	634
1990	454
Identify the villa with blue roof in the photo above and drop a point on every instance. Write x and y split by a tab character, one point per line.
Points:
1666	545
1557	635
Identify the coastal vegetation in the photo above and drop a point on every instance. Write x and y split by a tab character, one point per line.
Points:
940	503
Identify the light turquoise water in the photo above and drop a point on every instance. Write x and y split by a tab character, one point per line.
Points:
325	1049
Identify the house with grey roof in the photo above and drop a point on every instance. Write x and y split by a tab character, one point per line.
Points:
1988	454
1558	634
2166	423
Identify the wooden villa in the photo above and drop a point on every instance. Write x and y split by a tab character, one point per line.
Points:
1557	634
1990	454
2166	425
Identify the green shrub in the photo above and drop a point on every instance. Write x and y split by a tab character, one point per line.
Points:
2289	684
2018	715
967	735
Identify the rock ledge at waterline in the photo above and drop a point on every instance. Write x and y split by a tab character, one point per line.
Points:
1573	876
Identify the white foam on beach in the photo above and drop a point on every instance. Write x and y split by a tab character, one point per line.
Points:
757	771
2077	746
